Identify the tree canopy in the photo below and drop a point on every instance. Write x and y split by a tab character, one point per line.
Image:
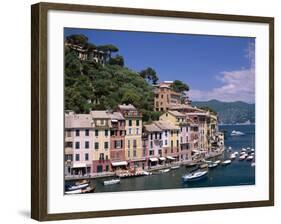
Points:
150	75
179	86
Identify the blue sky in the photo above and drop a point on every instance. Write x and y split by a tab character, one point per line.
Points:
215	67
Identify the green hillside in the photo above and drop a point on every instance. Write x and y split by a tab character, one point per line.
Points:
230	112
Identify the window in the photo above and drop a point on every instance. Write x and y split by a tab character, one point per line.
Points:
172	144
129	144
68	133
151	144
137	131
107	168
135	153
106	132
77	145
129	153
96	133
181	139
77	157
160	135
87	132
86	156
130	131
134	143
77	133
112	133
87	145
155	135
118	144
151	152
177	143
138	122
166	133
101	156
68	145
166	142
105	145
96	145
102	122
106	157
143	152
130	122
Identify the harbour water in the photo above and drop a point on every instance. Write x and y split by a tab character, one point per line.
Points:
235	174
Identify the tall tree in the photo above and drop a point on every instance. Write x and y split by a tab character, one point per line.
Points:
150	75
179	86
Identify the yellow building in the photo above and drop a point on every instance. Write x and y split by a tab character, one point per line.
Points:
101	141
134	152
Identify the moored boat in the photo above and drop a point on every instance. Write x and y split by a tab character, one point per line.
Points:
236	133
217	162
82	191
226	162
213	165
164	171
78	185
249	158
175	167
232	156
204	165
242	157
111	182
195	175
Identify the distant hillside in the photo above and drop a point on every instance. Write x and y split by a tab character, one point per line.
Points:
230	112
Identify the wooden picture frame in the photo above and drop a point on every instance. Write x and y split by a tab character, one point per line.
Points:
39	109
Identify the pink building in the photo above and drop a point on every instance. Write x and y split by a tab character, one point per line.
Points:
78	144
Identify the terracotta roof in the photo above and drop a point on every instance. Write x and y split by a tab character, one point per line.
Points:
152	128
78	121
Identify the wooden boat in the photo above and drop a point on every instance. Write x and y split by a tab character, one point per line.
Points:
195	176
82	191
111	182
226	162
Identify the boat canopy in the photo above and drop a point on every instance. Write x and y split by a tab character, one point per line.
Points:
79	165
162	158
121	163
153	159
170	157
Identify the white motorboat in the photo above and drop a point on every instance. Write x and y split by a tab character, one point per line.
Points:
195	175
217	162
229	147
243	150
212	165
236	153
175	167
145	173
249	158
253	164
242	157
226	162
236	133
232	156
111	182
252	150
78	186
164	171
82	191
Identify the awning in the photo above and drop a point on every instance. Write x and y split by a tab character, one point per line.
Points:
153	159
196	151
114	120
121	163
79	165
162	158
170	157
